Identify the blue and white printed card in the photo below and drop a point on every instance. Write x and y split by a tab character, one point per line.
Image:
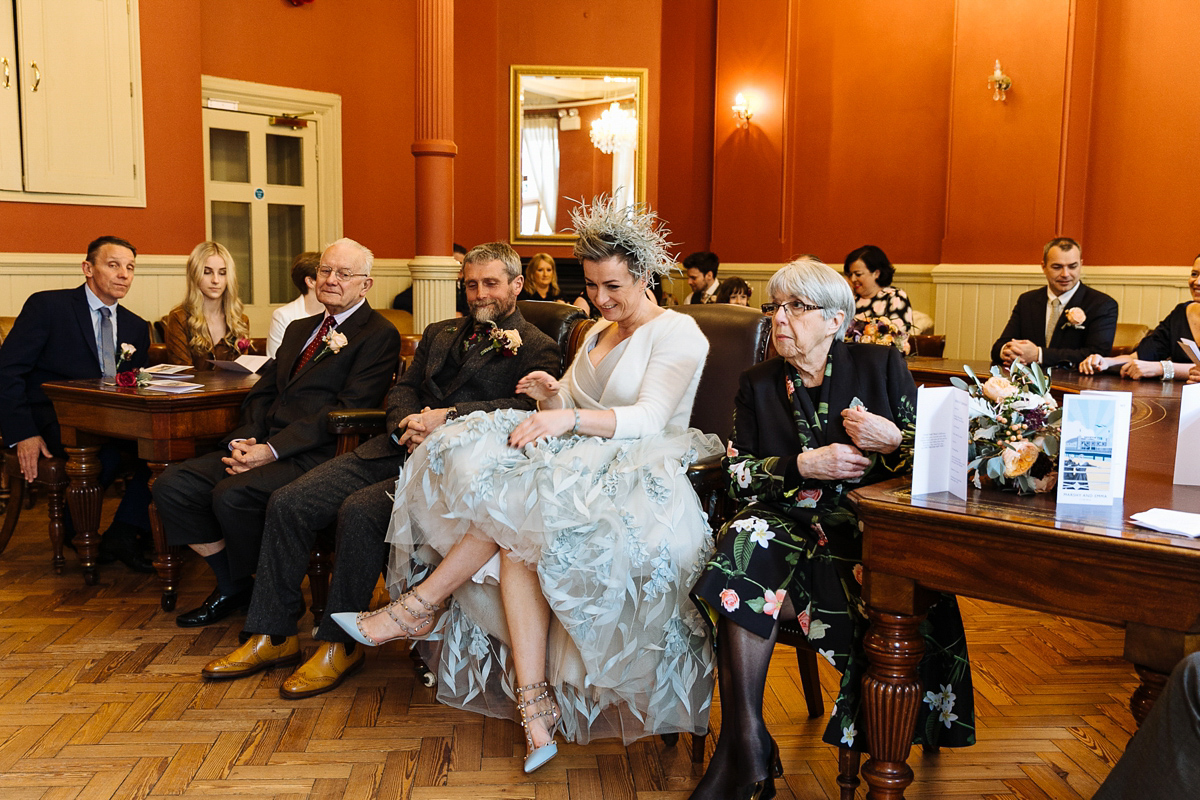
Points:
1094	447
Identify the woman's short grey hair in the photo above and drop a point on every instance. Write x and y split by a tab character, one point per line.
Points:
808	278
483	254
367	256
632	233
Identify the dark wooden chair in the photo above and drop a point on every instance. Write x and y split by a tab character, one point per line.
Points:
1128	336
51	477
927	345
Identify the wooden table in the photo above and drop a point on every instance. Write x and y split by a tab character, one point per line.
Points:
1084	562
167	427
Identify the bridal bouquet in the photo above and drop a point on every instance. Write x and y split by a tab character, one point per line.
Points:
1015	429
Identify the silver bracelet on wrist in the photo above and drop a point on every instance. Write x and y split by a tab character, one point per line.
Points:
1168	370
576	428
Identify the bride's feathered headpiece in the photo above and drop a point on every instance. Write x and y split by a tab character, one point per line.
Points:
633	232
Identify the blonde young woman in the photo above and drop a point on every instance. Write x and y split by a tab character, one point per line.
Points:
209	323
541	279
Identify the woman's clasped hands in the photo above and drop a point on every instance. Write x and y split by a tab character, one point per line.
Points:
870	433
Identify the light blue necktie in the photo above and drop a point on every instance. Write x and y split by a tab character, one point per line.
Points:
108	358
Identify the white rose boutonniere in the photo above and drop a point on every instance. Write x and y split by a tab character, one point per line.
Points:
1075	317
508	342
335	340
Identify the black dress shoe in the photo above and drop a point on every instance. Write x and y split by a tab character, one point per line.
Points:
216	608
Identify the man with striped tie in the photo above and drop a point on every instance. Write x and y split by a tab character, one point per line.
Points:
344	357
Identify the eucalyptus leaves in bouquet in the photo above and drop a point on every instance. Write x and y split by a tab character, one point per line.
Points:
1015	428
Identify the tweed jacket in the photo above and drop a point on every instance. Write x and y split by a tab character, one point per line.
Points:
485	382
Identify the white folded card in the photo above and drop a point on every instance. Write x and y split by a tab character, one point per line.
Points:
1168	521
175	387
1187	455
1192	350
940	457
246	363
168	369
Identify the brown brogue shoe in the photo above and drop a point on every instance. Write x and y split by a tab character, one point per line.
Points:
326	670
254	656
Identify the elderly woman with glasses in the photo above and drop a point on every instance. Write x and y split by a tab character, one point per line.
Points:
810	426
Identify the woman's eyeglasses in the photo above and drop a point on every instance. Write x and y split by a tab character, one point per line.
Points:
794	308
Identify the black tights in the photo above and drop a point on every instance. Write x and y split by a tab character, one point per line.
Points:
743	752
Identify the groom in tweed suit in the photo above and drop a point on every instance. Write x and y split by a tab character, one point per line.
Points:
455	372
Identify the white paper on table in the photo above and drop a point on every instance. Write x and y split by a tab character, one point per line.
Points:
1168	521
246	363
1087	457
1120	458
1187	455
174	370
1192	350
940	457
175	387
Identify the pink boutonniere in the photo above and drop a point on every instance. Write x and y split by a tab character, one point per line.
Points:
333	342
1075	317
244	345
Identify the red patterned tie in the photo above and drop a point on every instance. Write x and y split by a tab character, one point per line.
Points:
317	341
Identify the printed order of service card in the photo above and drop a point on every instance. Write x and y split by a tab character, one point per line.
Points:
1094	448
940	457
1187	455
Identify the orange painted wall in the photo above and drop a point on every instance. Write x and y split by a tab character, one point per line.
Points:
1142	203
364	51
492	35
173	220
868	128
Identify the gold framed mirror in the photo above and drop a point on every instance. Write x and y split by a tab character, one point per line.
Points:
575	132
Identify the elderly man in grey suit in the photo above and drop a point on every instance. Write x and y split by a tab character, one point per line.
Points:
458	368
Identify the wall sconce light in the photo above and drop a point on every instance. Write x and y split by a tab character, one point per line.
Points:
999	83
742	111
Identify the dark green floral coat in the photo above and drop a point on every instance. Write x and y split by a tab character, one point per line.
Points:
798	537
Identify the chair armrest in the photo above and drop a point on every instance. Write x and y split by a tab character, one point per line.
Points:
356	421
711	482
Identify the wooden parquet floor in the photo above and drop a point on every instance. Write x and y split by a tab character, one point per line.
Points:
100	697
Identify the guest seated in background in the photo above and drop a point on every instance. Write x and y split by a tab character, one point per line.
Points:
1162	760
1159	354
455	371
209	323
701	271
541	279
587	518
810	426
1063	324
304	277
870	274
734	291
76	334
344	357
404	300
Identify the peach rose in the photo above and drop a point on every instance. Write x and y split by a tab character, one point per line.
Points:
998	389
1075	316
730	600
1018	457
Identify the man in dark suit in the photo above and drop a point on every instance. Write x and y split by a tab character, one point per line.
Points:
1063	324
344	357
73	334
456	371
701	271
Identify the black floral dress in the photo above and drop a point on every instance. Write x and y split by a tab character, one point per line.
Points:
799	537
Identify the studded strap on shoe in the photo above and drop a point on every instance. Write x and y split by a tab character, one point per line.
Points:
522	704
424	618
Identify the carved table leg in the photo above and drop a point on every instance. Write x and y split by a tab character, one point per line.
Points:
1147	693
83	498
891	699
166	559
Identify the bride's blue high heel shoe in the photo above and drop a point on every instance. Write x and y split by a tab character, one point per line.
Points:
351	621
538	756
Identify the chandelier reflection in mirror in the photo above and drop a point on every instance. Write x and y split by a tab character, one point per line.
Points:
616	129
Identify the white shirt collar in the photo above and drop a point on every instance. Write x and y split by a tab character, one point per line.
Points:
338	319
95	303
1065	297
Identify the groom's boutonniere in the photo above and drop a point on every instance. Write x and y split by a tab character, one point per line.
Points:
334	341
1075	317
508	342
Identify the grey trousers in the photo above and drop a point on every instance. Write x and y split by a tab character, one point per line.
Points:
1162	760
354	492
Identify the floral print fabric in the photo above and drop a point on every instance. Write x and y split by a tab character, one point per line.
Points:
888	303
618	537
799	538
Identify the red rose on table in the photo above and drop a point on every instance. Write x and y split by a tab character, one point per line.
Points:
128	378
